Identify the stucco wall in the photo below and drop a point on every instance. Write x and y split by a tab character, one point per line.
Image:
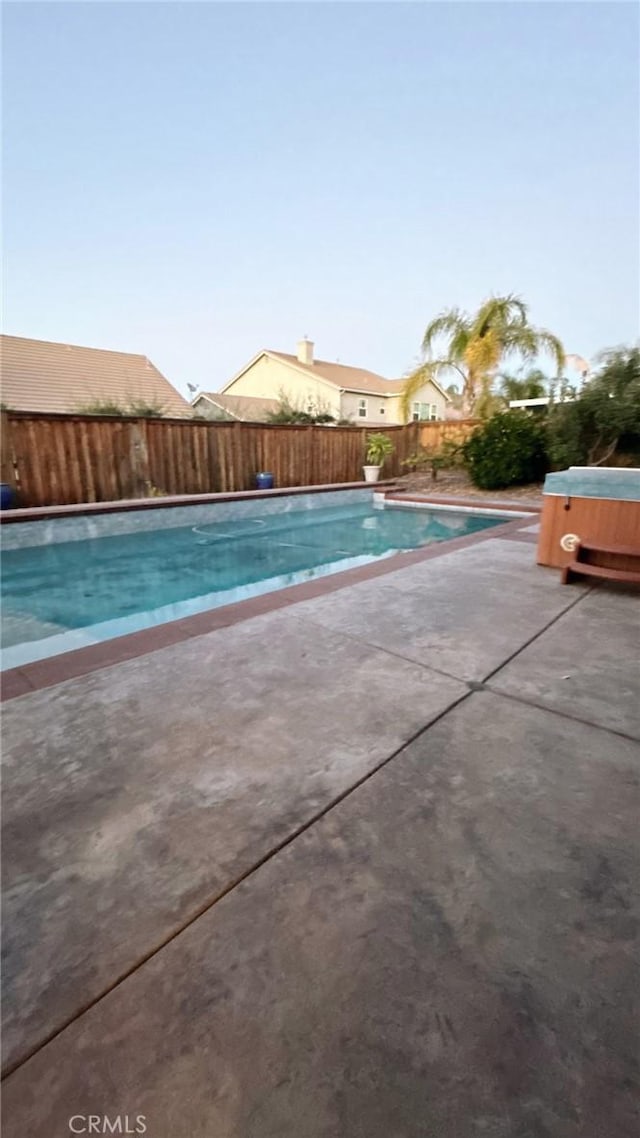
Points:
375	405
426	394
268	377
392	414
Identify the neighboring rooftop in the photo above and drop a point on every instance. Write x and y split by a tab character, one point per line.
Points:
40	375
541	401
246	408
344	377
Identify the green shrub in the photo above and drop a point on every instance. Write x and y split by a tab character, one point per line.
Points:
287	412
146	410
101	407
140	409
434	459
507	450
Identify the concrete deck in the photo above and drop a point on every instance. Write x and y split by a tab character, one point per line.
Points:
362	866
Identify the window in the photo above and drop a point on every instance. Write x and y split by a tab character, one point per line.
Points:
362	408
382	410
423	412
420	412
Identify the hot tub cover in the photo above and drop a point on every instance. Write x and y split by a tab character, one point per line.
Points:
617	483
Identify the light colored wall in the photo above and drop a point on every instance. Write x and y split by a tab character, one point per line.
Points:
375	404
426	394
392	405
268	377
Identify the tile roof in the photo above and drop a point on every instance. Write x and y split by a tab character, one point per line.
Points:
349	378
248	408
38	375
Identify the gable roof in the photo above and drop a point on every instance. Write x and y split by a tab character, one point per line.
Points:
40	375
246	408
340	375
346	378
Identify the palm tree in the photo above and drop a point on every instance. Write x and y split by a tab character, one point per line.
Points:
474	346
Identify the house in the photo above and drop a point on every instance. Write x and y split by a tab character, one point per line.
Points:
539	404
347	393
38	375
542	402
238	408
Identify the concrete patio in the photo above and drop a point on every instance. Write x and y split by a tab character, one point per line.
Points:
361	867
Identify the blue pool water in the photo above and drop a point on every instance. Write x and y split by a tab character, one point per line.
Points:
62	595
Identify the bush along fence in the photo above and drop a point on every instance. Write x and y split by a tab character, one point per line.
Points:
58	459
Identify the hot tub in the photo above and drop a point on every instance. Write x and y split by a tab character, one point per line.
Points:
590	504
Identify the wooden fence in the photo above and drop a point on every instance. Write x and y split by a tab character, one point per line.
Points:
54	459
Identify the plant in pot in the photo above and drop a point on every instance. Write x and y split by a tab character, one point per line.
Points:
379	447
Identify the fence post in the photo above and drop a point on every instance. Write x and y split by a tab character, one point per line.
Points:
7	463
139	458
241	478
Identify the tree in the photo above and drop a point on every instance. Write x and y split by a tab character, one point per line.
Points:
473	347
455	395
288	412
533	385
602	418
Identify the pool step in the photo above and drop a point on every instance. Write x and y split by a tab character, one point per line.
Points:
588	562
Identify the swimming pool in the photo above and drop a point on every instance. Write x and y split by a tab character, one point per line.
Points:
66	594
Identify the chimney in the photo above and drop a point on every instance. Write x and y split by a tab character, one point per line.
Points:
305	351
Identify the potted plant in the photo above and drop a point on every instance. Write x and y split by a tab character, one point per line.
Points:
379	447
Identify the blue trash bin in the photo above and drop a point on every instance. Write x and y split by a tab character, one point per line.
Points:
264	481
6	496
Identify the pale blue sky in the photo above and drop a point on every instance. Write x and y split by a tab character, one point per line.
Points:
196	181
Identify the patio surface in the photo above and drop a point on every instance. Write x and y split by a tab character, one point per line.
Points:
360	867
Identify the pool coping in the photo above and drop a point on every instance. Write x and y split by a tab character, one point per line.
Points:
481	505
53	670
125	505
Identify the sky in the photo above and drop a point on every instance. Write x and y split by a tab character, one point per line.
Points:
199	181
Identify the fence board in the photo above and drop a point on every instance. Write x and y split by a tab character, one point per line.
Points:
432	435
6	450
63	459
